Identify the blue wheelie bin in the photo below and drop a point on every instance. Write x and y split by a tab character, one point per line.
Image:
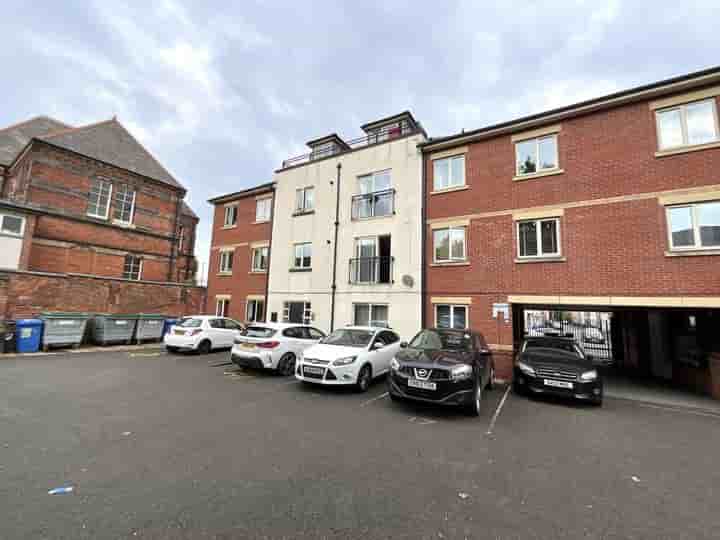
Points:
29	334
169	323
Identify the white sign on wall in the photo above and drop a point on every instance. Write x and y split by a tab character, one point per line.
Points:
501	309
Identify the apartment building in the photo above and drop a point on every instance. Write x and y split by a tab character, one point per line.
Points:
240	253
346	240
610	205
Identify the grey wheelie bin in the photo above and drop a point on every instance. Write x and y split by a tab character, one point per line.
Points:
63	329
113	329
149	327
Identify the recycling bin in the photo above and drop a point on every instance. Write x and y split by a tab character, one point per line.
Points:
29	335
149	327
113	329
63	329
7	336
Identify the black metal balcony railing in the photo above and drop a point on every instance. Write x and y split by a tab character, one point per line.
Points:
379	203
369	270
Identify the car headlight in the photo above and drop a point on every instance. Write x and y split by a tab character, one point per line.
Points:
589	375
394	365
461	373
344	361
527	370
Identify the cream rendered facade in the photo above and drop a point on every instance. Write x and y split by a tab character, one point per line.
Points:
402	293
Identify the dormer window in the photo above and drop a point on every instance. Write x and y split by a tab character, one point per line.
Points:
327	146
390	128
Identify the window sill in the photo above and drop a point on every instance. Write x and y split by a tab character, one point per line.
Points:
229	226
692	252
224	273
542	174
452	263
300	270
123	224
449	190
370	218
260	222
302	213
686	149
541	260
257	272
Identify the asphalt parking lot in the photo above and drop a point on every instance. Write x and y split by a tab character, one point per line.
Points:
181	446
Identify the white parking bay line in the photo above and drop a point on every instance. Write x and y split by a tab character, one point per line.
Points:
369	401
497	411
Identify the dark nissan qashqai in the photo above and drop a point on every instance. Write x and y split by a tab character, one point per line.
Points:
448	367
559	366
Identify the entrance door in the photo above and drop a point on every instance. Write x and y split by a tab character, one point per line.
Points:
366	253
296	312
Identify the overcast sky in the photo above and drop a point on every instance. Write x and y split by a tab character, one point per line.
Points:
222	92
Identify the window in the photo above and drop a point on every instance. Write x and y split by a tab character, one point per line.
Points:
230	216
222	307
262	209
539	238
314	333
449	244
448	172
694	226
226	262
260	259
304	199
297	312
124	204
181	238
255	310
687	125
447	316
536	155
376	196
12	225
99	199
303	256
370	314
133	267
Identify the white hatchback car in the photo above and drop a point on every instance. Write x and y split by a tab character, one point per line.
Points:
202	333
350	355
273	345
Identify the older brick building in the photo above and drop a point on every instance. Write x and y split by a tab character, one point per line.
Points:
609	205
91	202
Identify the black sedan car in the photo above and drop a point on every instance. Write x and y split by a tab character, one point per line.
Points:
558	366
448	367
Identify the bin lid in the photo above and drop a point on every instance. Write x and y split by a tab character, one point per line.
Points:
64	315
132	316
150	316
29	322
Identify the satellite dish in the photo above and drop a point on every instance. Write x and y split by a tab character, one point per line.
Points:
408	281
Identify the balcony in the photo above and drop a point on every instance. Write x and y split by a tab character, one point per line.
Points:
371	270
368	205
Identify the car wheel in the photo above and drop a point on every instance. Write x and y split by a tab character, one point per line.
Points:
364	379
519	390
286	367
205	347
491	380
171	349
474	408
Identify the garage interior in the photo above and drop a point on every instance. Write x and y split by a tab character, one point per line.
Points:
670	354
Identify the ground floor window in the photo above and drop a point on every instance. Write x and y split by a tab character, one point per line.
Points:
370	314
222	307
297	312
447	316
255	311
133	267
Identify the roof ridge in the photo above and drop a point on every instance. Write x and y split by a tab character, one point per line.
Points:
73	129
29	120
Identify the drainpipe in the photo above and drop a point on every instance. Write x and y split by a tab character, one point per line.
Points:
174	239
267	276
334	275
423	241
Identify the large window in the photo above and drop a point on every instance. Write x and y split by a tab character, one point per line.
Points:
124	204
263	209
230	216
694	226
11	225
448	316
99	199
370	314
304	199
222	307
226	261
133	267
376	196
303	256
687	125
539	238
449	172
255	311
297	312
260	259
449	244
536	155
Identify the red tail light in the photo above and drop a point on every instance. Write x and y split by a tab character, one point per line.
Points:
268	344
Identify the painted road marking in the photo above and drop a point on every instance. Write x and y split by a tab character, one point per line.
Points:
420	421
677	409
497	411
369	401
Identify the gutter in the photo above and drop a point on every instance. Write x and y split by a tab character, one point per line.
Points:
333	287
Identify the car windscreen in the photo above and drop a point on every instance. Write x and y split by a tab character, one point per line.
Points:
348	338
258	331
564	345
439	340
191	323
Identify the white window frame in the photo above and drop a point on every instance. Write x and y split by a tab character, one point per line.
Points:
453	307
295	256
119	204
372	306
139	267
538	238
225	256
4	232
538	168
254	268
264	204
230	219
222	307
254	302
301	199
451	183
683	124
101	183
451	232
307	310
695	226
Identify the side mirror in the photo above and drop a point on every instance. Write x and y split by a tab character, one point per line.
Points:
403	344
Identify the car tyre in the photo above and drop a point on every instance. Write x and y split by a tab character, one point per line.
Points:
205	347
286	367
491	379
171	350
364	378
474	408
519	390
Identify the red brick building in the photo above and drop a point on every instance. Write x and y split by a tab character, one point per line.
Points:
610	205
91	202
240	253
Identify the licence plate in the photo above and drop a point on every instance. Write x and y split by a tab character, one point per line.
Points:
558	384
249	346
424	385
179	332
313	370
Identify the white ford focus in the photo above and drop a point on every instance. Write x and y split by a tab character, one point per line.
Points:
350	355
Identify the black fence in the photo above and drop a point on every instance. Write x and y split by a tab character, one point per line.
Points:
369	270
595	338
